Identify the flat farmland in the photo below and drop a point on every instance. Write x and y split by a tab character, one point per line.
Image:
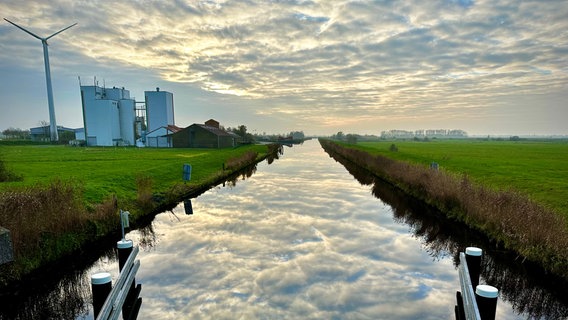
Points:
537	169
106	171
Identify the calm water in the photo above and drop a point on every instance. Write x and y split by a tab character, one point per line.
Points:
302	239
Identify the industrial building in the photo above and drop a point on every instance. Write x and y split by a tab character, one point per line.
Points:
65	134
159	109
208	135
112	118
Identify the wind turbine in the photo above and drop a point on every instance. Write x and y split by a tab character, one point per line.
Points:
52	122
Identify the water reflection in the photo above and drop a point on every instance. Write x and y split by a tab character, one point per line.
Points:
531	292
62	292
299	240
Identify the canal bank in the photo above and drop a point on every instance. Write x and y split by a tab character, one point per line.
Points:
88	224
304	238
512	221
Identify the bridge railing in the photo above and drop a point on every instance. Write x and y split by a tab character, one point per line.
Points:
124	296
478	304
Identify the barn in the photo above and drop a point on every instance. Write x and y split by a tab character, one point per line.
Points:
208	135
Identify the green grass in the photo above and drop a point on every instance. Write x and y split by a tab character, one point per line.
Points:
69	197
538	169
107	171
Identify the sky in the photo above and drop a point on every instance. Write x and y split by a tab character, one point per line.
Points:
319	66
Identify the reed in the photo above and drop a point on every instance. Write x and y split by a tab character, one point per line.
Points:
144	198
241	161
532	230
44	220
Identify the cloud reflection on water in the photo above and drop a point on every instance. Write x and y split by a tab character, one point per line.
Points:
289	243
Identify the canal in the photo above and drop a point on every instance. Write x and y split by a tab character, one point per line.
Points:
302	238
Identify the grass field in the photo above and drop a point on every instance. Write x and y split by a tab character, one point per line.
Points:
68	197
106	171
535	168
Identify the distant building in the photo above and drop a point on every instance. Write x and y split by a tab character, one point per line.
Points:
111	118
436	133
43	133
208	135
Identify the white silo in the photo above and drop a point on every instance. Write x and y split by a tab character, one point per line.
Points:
159	109
108	116
127	110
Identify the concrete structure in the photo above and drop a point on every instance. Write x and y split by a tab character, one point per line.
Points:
159	109
208	135
108	115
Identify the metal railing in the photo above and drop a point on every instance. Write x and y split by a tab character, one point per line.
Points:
468	295
112	307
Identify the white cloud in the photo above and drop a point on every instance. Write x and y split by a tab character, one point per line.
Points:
316	58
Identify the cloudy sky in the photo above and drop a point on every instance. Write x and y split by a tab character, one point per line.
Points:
321	66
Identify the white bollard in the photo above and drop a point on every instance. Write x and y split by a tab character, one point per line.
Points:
101	285
486	297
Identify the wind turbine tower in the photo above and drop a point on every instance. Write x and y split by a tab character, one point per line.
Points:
52	122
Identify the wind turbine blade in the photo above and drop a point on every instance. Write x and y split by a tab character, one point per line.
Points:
21	28
58	32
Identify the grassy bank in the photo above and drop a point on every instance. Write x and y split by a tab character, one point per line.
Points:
537	169
67	196
509	217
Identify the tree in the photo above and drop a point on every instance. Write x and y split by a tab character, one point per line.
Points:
339	136
242	131
351	138
16	133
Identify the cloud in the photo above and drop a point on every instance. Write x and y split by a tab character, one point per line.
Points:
319	57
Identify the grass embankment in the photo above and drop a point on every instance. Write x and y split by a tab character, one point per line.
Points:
485	187
68	197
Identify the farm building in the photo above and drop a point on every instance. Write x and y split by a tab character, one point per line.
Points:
208	135
161	137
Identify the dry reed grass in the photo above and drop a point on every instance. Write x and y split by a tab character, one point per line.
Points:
35	213
239	162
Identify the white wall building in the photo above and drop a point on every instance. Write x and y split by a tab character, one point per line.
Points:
159	109
108	116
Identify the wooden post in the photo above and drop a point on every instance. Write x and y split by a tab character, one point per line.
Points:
486	297
101	285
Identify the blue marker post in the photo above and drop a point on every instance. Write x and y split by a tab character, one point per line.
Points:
186	172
